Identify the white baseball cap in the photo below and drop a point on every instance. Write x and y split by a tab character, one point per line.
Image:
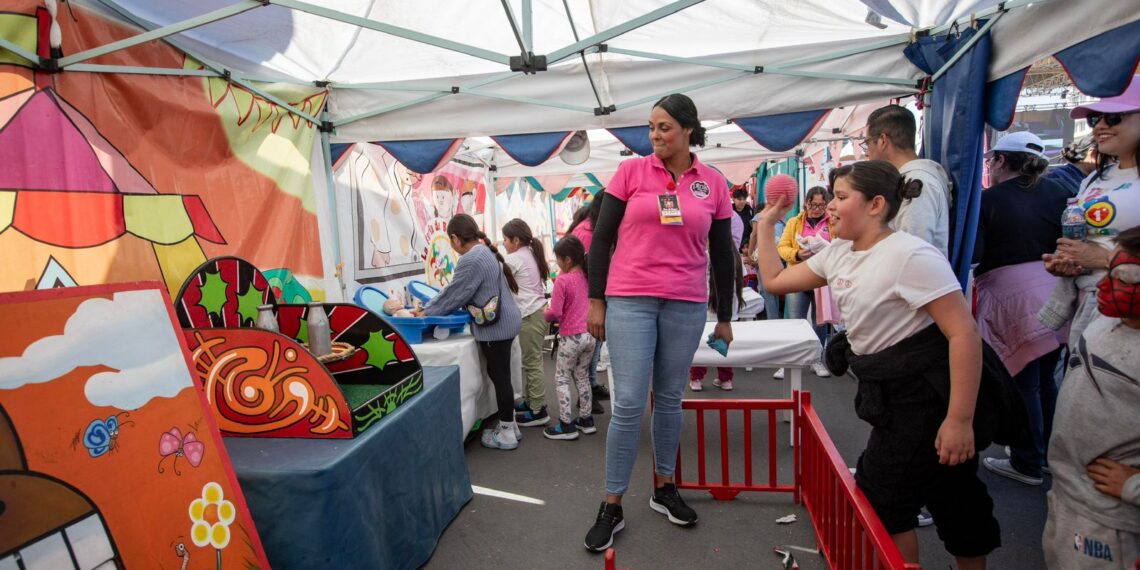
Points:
1021	141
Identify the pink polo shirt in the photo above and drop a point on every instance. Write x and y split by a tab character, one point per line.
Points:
657	260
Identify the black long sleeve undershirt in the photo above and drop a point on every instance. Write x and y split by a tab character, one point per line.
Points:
605	237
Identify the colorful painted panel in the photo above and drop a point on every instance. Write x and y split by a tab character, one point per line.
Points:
109	456
259	383
383	357
109	181
223	292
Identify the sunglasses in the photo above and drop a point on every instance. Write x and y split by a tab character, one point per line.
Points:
1110	119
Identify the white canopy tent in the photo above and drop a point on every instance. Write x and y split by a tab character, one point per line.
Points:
403	70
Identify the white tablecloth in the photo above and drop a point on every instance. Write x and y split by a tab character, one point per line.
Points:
476	393
788	343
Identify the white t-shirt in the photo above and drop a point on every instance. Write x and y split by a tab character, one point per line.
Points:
881	291
531	296
928	215
1111	205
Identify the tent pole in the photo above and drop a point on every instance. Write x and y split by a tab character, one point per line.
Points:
611	33
490	215
330	189
553	221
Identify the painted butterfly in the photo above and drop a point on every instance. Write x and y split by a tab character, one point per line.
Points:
100	436
173	444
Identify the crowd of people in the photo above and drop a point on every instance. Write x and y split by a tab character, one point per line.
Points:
1058	317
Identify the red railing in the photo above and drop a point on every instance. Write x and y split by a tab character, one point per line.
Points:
847	530
726	489
849	534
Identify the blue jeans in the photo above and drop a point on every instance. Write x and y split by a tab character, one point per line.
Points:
593	371
800	306
1039	392
650	339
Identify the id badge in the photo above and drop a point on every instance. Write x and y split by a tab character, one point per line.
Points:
670	209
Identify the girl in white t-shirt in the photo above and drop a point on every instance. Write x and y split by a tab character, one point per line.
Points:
891	288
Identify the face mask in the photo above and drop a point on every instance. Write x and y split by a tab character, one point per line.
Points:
1118	294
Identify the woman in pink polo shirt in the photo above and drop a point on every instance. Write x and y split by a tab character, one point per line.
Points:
648	291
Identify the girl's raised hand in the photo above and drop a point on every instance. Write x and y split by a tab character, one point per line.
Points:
773	212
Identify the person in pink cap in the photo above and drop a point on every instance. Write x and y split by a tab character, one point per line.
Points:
1110	198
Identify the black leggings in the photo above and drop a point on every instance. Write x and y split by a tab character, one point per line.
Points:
497	353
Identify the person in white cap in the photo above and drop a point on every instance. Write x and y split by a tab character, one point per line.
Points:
1020	221
1110	198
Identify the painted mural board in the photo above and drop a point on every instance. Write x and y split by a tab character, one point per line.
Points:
109	457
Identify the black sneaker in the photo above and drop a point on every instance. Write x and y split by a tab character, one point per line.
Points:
601	392
610	521
596	407
586	424
667	501
531	418
561	431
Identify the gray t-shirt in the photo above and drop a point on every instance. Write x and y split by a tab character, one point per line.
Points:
928	216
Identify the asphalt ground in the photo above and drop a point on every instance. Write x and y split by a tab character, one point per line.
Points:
553	490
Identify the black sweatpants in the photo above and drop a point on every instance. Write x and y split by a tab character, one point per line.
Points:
899	472
497	353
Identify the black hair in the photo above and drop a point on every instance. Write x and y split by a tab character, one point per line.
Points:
1129	240
464	227
896	122
738	270
590	212
1078	150
1026	165
880	178
518	229
573	249
740	193
684	111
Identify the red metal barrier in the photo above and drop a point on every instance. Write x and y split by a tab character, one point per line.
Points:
726	489
849	534
846	528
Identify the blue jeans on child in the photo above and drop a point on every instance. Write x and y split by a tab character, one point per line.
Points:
802	306
649	339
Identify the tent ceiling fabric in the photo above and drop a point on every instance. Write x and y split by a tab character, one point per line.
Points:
305	42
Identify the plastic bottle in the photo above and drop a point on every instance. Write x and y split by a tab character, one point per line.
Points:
317	321
1073	221
266	319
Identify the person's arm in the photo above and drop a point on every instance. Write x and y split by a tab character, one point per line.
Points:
598	260
721	254
557	305
778	280
464	283
788	245
1087	254
955	440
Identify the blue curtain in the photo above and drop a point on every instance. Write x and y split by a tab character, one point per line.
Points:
957	113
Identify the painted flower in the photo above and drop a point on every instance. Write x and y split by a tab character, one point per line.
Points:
212	515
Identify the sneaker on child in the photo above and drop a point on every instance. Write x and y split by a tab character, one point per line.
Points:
695	385
1006	469
820	370
502	437
596	407
601	392
779	375
667	501
531	418
586	425
561	431
723	384
609	522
